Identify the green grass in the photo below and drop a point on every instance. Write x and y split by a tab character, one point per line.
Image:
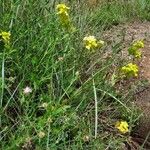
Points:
68	86
115	13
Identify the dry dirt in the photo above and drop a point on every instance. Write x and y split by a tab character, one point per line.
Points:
131	32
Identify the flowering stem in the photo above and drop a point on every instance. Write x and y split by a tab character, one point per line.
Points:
2	85
48	135
2	91
96	111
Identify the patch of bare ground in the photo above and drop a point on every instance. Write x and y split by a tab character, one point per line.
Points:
128	33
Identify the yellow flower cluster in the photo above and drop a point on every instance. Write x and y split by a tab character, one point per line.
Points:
138	44
130	70
62	11
91	42
122	126
134	49
5	37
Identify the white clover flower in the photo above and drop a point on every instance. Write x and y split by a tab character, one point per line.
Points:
27	90
41	134
44	105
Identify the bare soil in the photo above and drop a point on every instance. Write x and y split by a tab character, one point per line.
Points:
128	33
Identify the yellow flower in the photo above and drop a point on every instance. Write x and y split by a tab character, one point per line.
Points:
130	70
134	49
62	9
5	37
92	43
138	44
122	126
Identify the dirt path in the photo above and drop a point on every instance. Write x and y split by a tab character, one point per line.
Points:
129	33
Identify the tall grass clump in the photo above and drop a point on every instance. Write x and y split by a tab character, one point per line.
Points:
115	12
57	85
